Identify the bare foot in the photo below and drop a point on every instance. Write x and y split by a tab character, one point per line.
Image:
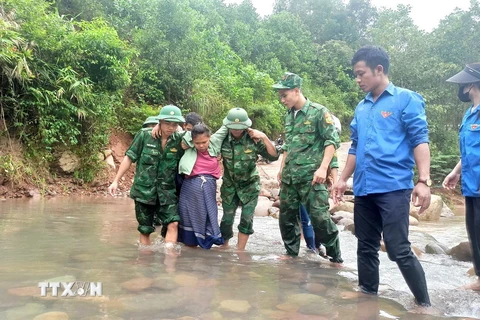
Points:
350	295
475	286
425	310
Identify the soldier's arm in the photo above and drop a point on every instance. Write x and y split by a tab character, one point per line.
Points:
264	146
217	138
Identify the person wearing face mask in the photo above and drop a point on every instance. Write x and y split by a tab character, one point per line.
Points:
469	165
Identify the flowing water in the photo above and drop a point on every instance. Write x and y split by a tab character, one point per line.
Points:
83	240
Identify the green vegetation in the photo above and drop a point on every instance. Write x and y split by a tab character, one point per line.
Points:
71	70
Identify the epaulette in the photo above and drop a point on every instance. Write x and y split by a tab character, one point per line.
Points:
317	106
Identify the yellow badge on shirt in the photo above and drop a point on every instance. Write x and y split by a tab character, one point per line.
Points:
328	118
248	151
308	122
173	150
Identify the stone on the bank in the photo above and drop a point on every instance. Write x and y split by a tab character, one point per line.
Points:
412	221
432	213
69	162
273	212
344	206
345	222
462	252
446	211
54	315
261	210
265	193
350	228
237	306
111	163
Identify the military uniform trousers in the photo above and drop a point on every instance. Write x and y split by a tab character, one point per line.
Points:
315	200
246	219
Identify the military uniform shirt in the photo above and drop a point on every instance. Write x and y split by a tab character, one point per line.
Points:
306	136
156	168
240	169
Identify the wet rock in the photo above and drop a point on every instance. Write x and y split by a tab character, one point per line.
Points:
273	212
33	193
215	315
418	252
54	315
275	193
432	213
237	306
137	284
462	252
33	291
412	221
24	312
350	228
436	248
160	302
276	204
261	210
345	222
316	288
265	193
336	219
344	206
184	280
69	162
288	307
303	299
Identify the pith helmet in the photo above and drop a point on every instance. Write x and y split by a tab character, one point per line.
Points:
150	120
171	113
289	81
237	119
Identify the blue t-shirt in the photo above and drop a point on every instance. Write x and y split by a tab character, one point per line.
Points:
470	152
384	134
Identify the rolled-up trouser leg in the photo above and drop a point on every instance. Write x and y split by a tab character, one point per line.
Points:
288	218
144	214
394	207
472	220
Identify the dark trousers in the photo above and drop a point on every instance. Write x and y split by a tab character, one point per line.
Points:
472	220
387	213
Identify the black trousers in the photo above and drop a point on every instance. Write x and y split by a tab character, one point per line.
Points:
387	213
472	220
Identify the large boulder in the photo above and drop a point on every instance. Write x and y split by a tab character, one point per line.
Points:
432	213
264	203
344	206
462	252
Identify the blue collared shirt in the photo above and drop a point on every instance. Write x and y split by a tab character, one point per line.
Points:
384	134
470	152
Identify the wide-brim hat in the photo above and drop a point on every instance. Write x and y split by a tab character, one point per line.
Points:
236	124
470	74
150	120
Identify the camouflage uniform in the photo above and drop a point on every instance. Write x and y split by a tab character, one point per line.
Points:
153	187
241	182
307	135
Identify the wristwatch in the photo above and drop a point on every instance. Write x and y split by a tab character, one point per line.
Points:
427	181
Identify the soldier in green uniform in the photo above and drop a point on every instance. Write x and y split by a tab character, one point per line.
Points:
310	143
153	188
241	181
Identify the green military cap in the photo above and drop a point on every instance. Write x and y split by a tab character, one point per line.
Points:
150	120
289	81
237	119
171	113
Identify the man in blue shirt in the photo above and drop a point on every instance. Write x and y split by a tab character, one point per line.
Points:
389	135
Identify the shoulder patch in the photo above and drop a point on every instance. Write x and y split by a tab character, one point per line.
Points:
328	118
